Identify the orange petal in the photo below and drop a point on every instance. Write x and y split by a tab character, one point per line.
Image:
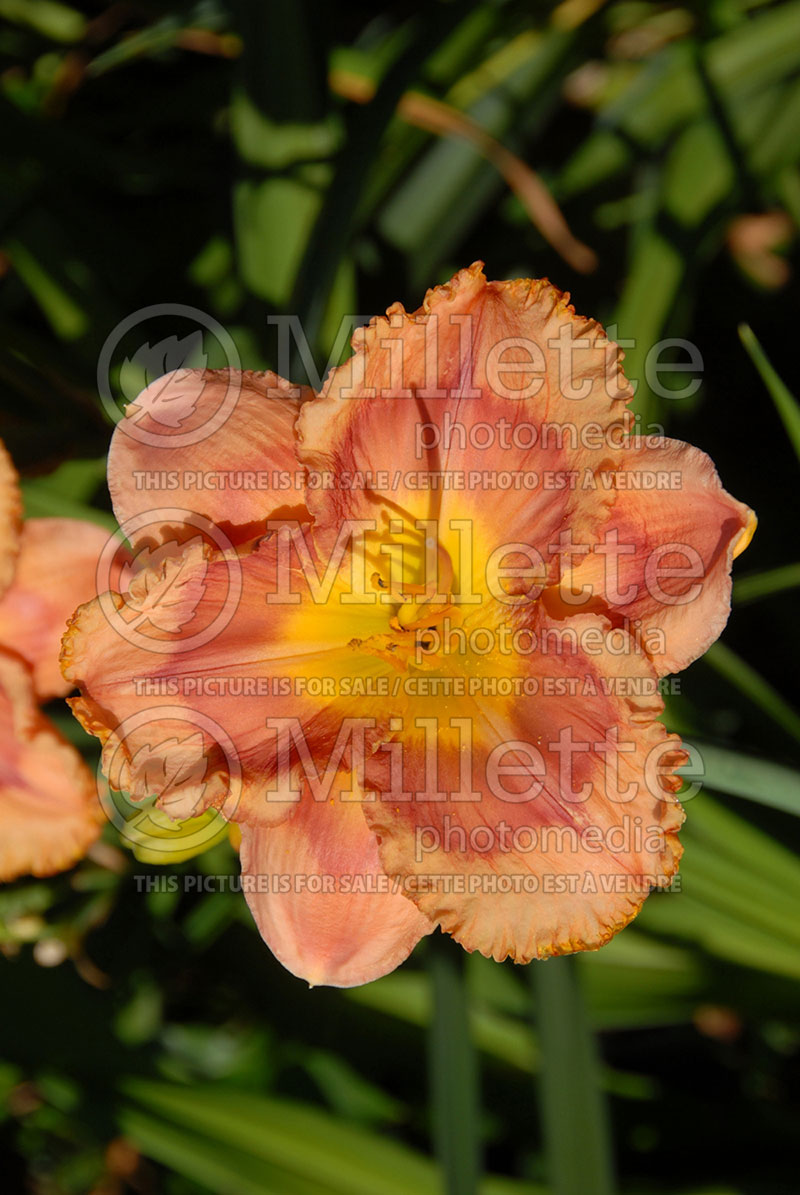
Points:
320	899
685	523
55	573
10	510
552	825
49	812
213	442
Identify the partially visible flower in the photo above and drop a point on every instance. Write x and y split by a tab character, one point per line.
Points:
55	571
49	813
369	676
10	511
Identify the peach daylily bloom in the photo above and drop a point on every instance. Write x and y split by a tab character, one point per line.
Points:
49	813
428	694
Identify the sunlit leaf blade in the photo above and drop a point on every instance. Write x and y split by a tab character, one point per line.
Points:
737	893
299	1148
207	1161
636	981
631	982
303	1140
408	996
63	309
51	18
349	1093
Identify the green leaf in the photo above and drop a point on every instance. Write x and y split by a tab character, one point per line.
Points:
653	281
758	780
60	305
408	996
41	500
455	1101
440	198
307	1143
745	678
738	893
786	404
331	237
237	1142
668	93
273	221
698	173
347	1092
206	1161
48	17
631	982
760	585
66	493
570	1094
635	982
600	156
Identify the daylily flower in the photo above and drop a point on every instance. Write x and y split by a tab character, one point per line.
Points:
49	814
429	696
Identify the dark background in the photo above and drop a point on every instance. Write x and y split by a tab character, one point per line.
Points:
213	155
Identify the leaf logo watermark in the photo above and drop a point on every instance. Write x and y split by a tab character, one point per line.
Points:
169	587
149	363
176	770
176	813
150	599
157	413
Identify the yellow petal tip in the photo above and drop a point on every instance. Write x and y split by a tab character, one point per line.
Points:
746	535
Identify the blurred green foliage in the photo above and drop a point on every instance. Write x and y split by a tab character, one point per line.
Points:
255	158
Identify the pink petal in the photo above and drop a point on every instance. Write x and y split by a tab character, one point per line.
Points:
55	572
196	648
628	569
338	923
49	811
437	392
605	832
10	510
213	442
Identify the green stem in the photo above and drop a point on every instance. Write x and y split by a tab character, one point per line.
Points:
577	1142
455	1101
